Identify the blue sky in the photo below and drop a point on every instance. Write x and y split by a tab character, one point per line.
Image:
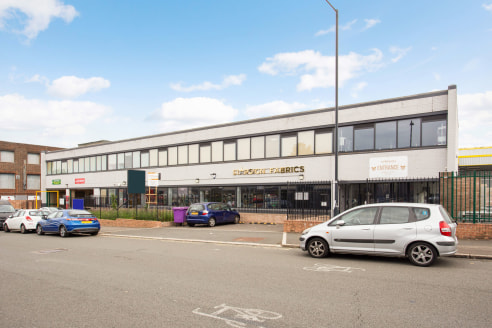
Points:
76	71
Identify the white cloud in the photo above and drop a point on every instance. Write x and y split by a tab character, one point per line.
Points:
38	13
274	108
487	7
320	70
437	76
475	119
332	29
370	23
72	86
227	82
399	52
358	87
186	113
42	122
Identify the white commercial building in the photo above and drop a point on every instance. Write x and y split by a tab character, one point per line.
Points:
400	143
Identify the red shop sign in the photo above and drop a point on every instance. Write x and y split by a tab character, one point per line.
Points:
80	181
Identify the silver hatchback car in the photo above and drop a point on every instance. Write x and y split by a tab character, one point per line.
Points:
421	232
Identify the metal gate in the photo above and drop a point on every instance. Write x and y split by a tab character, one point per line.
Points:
309	201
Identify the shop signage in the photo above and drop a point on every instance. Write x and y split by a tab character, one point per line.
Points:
56	181
271	170
153	179
80	181
388	167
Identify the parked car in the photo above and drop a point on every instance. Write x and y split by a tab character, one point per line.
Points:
49	209
66	222
6	210
211	213
420	232
23	220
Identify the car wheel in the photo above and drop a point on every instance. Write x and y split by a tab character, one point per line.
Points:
23	229
422	254
63	232
39	230
6	227
211	222
236	219
318	247
94	233
191	224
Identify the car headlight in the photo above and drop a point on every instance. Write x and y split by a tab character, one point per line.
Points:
306	231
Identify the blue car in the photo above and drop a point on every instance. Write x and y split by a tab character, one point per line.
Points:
211	214
66	222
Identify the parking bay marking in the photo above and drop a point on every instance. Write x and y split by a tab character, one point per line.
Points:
331	268
233	319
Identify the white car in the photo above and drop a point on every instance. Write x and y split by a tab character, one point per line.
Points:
420	232
23	220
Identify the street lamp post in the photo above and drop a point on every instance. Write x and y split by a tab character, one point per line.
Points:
336	207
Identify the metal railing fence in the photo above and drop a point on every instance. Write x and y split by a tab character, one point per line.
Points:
467	195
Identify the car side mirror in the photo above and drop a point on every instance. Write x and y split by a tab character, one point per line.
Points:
340	223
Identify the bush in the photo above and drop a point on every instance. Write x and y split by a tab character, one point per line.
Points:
146	214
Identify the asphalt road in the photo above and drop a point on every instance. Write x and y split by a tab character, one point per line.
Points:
104	281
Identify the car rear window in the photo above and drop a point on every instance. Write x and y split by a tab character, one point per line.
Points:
445	215
196	207
421	213
80	214
36	213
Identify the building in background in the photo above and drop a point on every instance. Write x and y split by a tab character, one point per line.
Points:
388	150
20	171
475	159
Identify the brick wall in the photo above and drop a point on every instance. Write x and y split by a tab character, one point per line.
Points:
474	231
17	167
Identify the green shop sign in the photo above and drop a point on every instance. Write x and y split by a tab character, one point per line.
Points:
56	182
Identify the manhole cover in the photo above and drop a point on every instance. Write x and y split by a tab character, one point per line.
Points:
48	251
251	239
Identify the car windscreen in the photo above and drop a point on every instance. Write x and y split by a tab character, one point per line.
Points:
80	214
7	209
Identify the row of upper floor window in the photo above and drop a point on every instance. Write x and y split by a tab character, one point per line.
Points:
422	132
8	156
7	181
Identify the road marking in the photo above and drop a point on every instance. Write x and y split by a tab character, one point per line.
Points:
48	251
331	268
239	317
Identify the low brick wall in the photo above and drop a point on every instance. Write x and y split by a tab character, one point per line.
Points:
299	226
474	231
265	218
129	223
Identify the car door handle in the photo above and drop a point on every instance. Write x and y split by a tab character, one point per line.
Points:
366	229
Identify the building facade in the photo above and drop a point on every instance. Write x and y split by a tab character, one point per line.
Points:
20	170
258	163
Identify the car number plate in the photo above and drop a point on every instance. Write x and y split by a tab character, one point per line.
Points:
194	213
86	221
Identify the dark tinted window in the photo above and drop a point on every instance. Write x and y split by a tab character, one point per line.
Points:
421	213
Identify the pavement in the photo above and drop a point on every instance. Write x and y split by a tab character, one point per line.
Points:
258	235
